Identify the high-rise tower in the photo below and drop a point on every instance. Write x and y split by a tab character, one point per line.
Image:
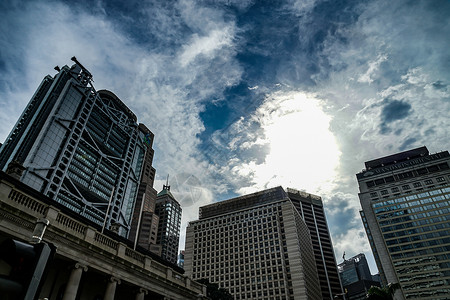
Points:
81	147
256	246
354	269
311	209
144	215
405	200
169	212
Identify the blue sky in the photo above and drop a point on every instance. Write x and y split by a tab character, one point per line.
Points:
246	95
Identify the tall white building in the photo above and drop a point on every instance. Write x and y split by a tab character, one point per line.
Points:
256	246
405	200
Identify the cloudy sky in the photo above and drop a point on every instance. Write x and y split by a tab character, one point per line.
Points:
245	95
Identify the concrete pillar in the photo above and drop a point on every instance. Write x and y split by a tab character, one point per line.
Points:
188	282
74	281
141	294
111	288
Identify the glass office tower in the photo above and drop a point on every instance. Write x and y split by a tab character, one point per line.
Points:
81	147
169	212
405	201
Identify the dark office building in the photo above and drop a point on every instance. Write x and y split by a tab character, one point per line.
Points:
311	209
354	269
169	212
180	261
356	278
405	200
81	147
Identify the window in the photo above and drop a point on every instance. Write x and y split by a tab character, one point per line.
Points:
405	187
417	184
428	181
440	179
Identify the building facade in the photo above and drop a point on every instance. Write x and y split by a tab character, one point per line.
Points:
354	269
405	200
81	147
145	220
88	263
311	209
169	212
180	261
256	246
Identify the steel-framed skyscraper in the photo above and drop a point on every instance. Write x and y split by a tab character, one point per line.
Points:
81	147
405	200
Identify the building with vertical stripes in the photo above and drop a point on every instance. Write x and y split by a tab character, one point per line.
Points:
405	200
311	209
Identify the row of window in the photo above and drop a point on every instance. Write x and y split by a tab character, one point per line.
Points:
422	252
408	174
422	229
414	238
260	212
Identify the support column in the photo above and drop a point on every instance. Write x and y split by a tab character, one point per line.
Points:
141	294
111	288
74	281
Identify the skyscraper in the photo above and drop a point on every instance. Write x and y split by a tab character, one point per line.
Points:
311	209
405	200
256	246
144	217
355	277
354	269
169	212
81	147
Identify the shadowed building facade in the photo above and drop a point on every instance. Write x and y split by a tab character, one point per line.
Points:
356	278
88	263
81	147
405	200
256	246
311	209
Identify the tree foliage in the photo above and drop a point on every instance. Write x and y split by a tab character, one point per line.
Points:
214	292
385	293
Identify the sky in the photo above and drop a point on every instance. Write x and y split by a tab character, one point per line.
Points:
246	95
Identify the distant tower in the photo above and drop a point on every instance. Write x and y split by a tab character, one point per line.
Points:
354	269
356	278
81	147
181	259
145	202
311	209
169	212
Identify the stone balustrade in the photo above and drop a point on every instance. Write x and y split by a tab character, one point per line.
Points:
81	233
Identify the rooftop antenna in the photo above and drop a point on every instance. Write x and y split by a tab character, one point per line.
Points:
75	60
167	186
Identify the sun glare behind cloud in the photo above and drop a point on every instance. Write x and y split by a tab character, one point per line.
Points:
303	152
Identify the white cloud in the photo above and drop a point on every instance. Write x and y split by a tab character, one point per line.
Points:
165	95
205	46
372	68
303	153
